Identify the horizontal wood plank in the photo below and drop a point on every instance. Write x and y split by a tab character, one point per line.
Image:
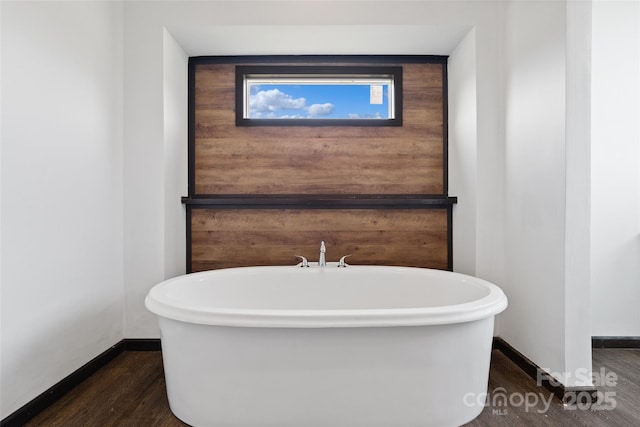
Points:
243	237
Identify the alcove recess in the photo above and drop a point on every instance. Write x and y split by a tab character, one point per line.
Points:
259	195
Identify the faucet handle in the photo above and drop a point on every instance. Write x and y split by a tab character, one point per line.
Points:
304	262
341	263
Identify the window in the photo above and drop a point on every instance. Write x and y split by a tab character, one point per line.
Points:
316	96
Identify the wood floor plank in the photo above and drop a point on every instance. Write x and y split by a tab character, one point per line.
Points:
130	391
80	403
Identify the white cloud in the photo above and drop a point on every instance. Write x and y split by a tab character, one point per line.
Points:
274	100
265	104
321	109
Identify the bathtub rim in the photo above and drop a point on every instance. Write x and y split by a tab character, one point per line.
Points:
487	306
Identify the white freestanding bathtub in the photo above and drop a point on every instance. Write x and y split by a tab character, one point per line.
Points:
326	346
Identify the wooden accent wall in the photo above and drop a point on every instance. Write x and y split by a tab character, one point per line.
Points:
259	195
244	237
319	159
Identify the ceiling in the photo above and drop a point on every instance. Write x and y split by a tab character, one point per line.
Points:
318	39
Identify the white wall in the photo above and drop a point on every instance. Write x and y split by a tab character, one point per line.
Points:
155	165
62	276
546	193
534	181
463	156
175	73
615	193
144	150
577	306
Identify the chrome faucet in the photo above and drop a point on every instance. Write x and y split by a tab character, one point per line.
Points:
304	262
321	261
341	263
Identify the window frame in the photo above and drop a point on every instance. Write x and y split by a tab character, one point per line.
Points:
394	73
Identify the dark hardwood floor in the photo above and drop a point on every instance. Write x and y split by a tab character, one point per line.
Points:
618	405
130	391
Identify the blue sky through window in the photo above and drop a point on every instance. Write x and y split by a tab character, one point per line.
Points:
317	101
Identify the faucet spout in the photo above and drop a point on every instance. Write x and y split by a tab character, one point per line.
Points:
322	261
